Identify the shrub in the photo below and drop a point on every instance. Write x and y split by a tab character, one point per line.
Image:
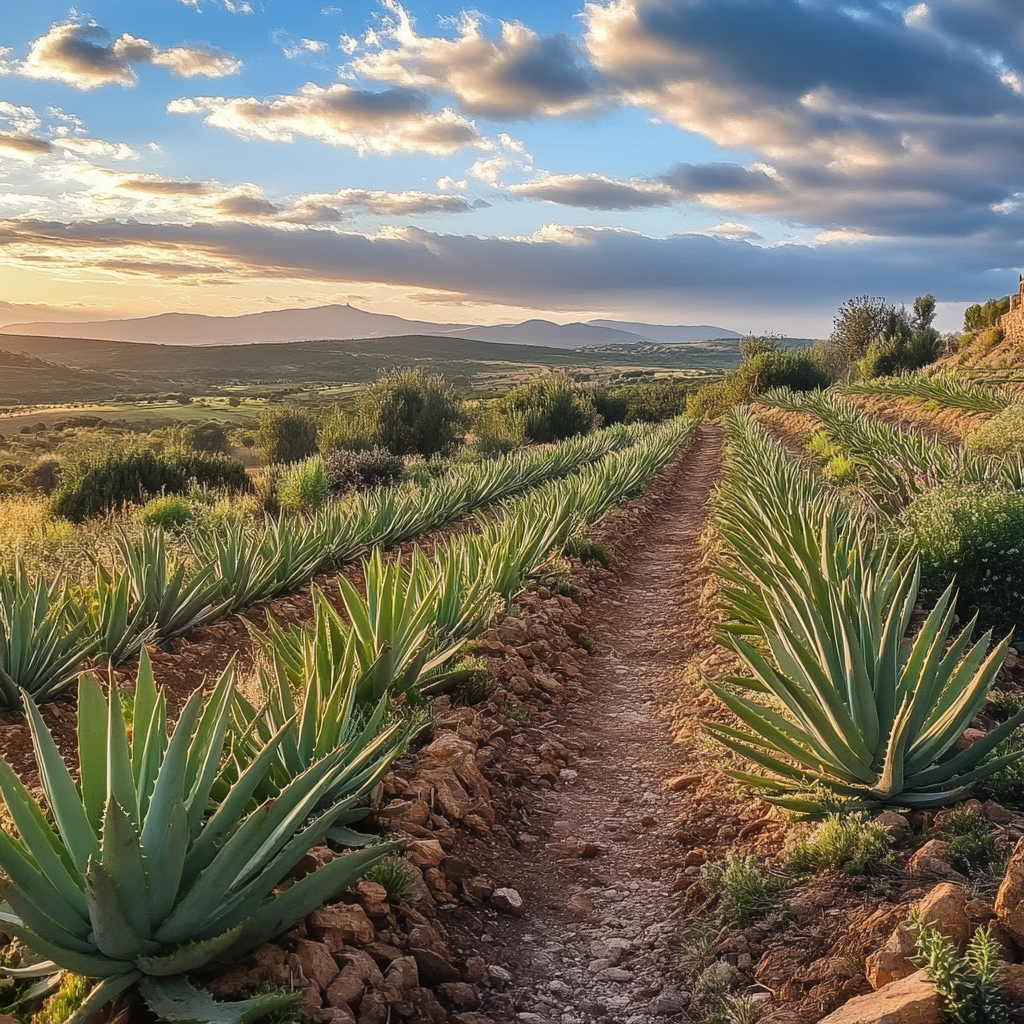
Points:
171	512
744	892
850	843
495	434
645	402
285	435
968	985
342	430
1001	435
1006	786
971	845
207	437
43	476
973	534
105	478
796	369
409	412
303	486
612	405
550	408
362	470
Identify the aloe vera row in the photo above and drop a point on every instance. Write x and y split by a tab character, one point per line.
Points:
817	609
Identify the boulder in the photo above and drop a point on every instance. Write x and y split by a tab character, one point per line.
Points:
425	853
895	824
886	966
946	908
342	923
911	1000
1010	898
933	861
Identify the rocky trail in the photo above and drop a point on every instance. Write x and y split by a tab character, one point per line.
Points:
593	858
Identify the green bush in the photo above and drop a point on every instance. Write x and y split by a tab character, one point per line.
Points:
495	434
1001	435
550	408
645	402
285	435
207	437
973	534
744	892
172	512
362	470
796	369
103	479
850	843
411	412
611	404
303	486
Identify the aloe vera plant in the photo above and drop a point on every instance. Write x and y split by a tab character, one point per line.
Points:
44	636
172	599
818	612
136	880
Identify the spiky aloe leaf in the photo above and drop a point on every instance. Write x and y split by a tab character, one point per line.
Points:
176	1001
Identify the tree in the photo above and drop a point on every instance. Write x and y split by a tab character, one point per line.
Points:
859	322
979	317
758	344
924	311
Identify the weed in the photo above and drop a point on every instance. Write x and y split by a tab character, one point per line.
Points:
517	716
586	641
968	985
587	549
476	685
396	875
971	846
171	511
304	486
692	947
63	1003
1003	705
744	892
735	1010
850	843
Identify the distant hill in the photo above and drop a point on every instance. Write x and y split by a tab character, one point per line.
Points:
349	323
36	369
666	335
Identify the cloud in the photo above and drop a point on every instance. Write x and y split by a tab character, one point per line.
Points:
95	193
558	267
877	118
596	191
22	146
520	75
81	54
393	121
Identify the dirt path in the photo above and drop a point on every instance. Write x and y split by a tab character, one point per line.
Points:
600	859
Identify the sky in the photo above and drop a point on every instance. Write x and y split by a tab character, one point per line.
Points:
745	163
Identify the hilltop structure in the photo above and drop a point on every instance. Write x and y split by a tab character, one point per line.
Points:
1012	322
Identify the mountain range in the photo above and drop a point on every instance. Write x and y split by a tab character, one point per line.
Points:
345	322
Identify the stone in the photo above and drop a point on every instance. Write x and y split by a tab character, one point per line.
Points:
480	887
1010	898
933	861
969	738
434	968
373	1009
498	976
669	1002
471	1018
581	849
317	963
946	908
614	974
448	744
459	995
373	898
346	989
508	900
895	824
911	1000
580	906
996	813
334	1015
475	971
346	922
402	974
425	853
680	782
886	966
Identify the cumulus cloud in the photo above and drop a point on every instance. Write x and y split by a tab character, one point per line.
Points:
22	146
393	121
522	74
82	54
874	117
